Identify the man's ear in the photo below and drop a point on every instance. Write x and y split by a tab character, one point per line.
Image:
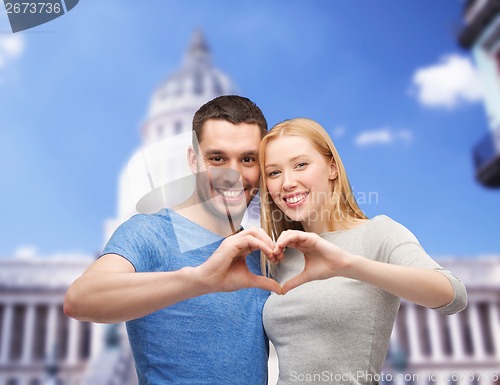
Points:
333	170
192	158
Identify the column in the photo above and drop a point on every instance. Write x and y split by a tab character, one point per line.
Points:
29	329
477	335
396	344
456	333
50	343
73	341
6	333
494	316
435	333
415	348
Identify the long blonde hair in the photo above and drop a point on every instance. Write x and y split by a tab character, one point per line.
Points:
343	205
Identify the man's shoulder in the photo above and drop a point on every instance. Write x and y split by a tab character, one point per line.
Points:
144	225
161	217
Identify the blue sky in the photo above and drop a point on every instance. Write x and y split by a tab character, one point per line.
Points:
386	78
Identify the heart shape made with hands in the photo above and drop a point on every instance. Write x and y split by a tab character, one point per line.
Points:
226	270
322	259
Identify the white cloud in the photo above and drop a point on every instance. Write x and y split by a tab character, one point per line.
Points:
11	45
383	136
25	252
452	80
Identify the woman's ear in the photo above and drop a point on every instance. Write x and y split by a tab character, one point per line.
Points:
192	158
333	170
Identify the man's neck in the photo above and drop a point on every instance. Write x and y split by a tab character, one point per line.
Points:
196	212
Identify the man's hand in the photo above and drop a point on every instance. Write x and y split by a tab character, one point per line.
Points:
226	269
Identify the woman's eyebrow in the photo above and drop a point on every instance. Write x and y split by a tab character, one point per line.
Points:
291	160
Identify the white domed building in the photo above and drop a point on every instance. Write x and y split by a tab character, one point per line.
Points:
157	174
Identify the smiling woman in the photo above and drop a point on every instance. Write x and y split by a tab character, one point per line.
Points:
343	274
310	155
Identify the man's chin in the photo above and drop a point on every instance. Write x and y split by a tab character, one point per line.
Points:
235	212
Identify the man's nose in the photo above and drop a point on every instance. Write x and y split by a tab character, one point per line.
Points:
228	177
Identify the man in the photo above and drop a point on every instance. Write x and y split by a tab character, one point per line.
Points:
156	268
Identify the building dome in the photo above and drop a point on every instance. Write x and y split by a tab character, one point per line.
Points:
175	101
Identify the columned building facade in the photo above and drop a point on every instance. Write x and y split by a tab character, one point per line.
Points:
464	348
38	344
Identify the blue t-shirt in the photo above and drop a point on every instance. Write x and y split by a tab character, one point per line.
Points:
216	338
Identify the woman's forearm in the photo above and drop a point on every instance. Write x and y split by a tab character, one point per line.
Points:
426	287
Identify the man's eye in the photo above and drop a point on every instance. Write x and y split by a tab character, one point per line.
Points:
216	159
248	160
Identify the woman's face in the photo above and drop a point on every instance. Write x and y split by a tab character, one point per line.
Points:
299	180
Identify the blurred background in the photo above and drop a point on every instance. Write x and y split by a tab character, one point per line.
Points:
409	91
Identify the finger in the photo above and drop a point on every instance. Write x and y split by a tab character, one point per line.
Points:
257	233
296	239
252	243
273	259
294	282
266	284
262	235
288	236
278	253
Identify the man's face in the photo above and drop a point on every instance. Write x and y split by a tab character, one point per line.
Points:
226	167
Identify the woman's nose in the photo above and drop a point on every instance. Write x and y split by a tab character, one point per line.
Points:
289	182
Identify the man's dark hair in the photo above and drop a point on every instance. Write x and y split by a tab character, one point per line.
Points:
232	108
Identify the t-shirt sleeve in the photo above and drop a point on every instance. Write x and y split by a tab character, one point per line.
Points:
131	241
401	247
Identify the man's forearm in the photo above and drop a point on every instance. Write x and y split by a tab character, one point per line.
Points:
111	297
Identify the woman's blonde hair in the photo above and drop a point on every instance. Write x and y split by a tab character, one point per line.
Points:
343	205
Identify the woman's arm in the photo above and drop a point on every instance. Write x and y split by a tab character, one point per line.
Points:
426	287
323	259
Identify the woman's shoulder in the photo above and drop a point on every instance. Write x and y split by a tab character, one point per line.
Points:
382	221
383	227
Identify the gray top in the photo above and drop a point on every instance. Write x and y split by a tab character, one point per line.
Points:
337	331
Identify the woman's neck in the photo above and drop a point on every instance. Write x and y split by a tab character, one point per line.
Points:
327	227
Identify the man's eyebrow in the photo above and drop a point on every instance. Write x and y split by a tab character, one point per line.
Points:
214	151
250	153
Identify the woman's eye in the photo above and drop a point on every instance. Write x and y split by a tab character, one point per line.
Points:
272	173
301	164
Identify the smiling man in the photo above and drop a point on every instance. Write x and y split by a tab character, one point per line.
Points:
146	278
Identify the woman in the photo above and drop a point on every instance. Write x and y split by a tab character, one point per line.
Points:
348	272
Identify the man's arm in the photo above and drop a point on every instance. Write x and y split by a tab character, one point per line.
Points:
110	290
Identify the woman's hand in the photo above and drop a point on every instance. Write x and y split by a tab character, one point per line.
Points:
322	258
